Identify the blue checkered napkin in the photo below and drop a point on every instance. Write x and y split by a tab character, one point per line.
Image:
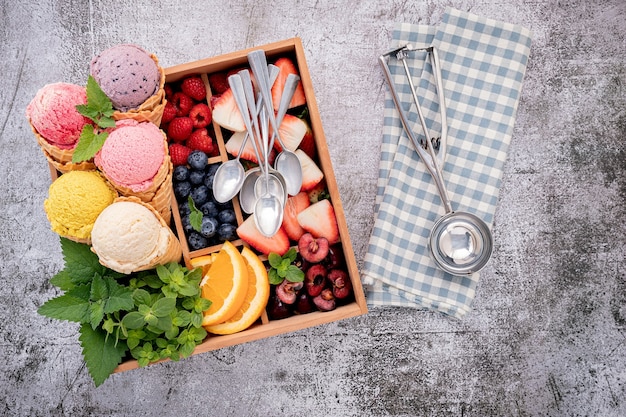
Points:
483	63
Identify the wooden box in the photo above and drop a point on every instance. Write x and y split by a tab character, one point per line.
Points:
265	327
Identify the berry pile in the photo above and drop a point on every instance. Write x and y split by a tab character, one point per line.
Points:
187	120
195	180
326	282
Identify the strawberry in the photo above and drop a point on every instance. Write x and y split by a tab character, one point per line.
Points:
194	87
311	173
200	140
287	67
218	82
319	219
293	207
169	112
248	232
307	144
292	130
201	115
319	192
234	144
179	154
226	113
180	129
183	103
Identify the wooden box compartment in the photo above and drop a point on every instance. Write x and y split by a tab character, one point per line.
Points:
265	327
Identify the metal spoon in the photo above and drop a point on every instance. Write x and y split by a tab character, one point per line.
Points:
290	165
229	177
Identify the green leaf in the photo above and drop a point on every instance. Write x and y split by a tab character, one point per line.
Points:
195	217
164	324
96	314
291	255
196	319
89	143
142	297
66	307
274	259
133	320
62	280
81	264
182	318
99	290
172	333
294	274
164	306
187	349
102	354
274	278
120	297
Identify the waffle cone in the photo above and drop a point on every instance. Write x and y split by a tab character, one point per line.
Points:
173	252
162	200
150	110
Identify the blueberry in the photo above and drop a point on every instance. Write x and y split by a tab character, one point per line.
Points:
200	195
208	180
209	209
209	227
182	190
196	177
197	160
183	208
197	241
187	227
212	169
181	173
227	231
227	216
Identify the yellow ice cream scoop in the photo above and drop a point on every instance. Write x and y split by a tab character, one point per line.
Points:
75	200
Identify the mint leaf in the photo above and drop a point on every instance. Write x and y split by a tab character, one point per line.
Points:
195	217
62	280
164	306
294	274
69	306
119	297
89	143
99	105
81	264
102	354
274	278
133	320
291	255
274	259
96	314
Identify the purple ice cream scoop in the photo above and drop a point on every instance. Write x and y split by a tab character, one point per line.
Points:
127	75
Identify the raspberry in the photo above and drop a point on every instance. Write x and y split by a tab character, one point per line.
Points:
218	82
169	112
179	154
194	88
201	115
169	91
183	103
180	129
200	140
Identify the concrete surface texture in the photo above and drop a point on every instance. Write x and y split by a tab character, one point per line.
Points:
547	332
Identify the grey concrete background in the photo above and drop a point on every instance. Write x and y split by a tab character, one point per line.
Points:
547	333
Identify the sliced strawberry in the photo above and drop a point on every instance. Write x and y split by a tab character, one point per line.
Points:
293	207
311	173
249	233
307	144
179	154
287	67
226	113
201	115
201	140
180	129
319	192
292	130
234	144
194	87
319	219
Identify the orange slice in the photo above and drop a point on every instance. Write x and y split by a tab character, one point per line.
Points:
225	285
203	262
255	301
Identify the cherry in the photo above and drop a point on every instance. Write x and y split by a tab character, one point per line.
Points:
325	301
335	257
342	286
286	291
276	309
315	279
313	249
304	303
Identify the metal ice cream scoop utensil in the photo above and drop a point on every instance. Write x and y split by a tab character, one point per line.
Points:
460	243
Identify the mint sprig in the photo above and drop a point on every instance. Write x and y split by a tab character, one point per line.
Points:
195	216
98	109
282	267
150	315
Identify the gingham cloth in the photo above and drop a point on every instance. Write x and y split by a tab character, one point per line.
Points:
483	62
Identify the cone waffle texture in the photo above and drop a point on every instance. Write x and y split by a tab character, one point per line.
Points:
150	110
61	159
173	252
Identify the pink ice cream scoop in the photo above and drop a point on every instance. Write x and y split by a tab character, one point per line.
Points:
132	155
127	74
52	112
